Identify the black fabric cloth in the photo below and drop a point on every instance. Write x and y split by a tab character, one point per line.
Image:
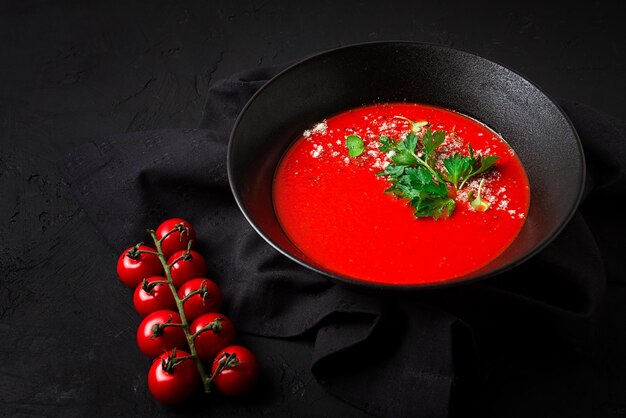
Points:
391	354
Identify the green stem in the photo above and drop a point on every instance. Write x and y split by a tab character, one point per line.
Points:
133	253
464	180
169	364
192	293
170	324
146	252
149	286
179	258
224	361
215	326
206	382
183	358
428	167
415	125
177	228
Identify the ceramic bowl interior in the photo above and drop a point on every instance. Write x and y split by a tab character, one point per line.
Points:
348	77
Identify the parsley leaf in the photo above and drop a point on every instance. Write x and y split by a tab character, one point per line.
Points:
386	144
431	141
428	197
458	167
404	151
392	171
413	176
355	145
421	179
436	208
410	142
485	163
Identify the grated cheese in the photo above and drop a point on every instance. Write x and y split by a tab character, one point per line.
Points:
453	143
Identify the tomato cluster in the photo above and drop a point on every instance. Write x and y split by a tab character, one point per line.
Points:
182	326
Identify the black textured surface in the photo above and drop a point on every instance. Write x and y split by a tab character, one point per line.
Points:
73	71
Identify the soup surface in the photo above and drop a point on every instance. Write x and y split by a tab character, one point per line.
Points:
334	206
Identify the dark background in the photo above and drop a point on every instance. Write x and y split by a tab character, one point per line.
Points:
71	71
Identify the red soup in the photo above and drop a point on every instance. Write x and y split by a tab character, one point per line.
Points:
401	194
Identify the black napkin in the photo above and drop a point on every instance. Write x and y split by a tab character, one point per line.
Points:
389	354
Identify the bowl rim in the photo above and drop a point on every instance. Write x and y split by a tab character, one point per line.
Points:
364	284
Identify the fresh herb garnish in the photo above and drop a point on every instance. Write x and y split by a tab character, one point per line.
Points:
404	152
461	168
431	141
413	175
427	196
355	145
415	125
386	144
479	204
457	168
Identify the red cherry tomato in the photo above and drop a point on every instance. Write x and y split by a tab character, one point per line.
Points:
236	370
153	339
210	300
133	266
192	265
149	298
210	341
178	240
170	381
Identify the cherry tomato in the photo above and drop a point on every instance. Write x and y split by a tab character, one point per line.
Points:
170	381
238	372
210	300
149	298
154	339
133	266
178	240
210	341
193	265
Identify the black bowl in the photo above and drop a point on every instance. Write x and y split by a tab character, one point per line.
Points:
352	76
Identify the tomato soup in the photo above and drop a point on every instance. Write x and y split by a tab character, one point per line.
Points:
334	207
